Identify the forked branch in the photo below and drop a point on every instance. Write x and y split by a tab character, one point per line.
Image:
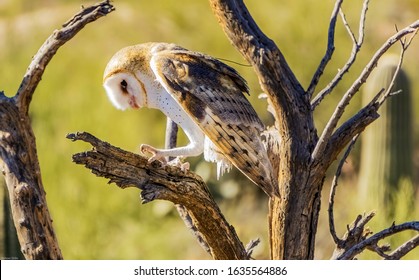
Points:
356	47
356	239
329	50
326	135
372	243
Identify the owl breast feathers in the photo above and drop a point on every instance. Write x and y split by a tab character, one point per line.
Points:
203	96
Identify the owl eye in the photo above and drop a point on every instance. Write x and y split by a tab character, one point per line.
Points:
124	86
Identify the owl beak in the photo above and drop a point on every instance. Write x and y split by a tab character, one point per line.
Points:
133	103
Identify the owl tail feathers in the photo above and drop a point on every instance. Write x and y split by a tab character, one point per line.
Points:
223	166
261	175
270	186
212	154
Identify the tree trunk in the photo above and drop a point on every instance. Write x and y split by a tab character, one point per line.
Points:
10	246
293	216
23	178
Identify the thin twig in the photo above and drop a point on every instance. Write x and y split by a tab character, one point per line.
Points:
329	50
388	92
403	249
348	27
251	246
356	47
380	249
336	239
355	233
331	125
366	115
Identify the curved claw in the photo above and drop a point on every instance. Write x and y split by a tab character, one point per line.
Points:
155	153
160	155
184	166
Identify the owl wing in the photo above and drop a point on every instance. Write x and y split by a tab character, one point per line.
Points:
211	92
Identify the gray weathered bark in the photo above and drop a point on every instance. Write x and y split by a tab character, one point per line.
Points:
169	183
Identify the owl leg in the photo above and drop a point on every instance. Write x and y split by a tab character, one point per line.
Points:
158	154
193	149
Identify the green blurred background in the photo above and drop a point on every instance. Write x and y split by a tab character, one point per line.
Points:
94	220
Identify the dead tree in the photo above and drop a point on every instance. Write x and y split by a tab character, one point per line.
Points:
299	155
19	160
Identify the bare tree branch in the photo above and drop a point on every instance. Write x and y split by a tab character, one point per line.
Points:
355	233
348	28
46	52
331	125
344	134
356	47
329	50
373	240
296	130
18	155
169	183
365	116
388	92
333	192
251	246
402	250
349	246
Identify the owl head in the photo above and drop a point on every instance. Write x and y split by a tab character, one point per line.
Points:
125	78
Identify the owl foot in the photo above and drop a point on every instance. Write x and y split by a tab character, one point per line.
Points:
155	153
160	155
184	166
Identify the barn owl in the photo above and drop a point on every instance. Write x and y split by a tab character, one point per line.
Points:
204	96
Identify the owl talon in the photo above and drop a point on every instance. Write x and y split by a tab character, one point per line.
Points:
155	154
184	166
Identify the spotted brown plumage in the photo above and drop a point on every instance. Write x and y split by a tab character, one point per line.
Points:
203	96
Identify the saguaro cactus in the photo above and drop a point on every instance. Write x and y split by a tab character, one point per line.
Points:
387	144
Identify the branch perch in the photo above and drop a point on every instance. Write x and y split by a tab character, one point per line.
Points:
170	183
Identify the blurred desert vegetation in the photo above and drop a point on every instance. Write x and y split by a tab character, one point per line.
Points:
94	220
